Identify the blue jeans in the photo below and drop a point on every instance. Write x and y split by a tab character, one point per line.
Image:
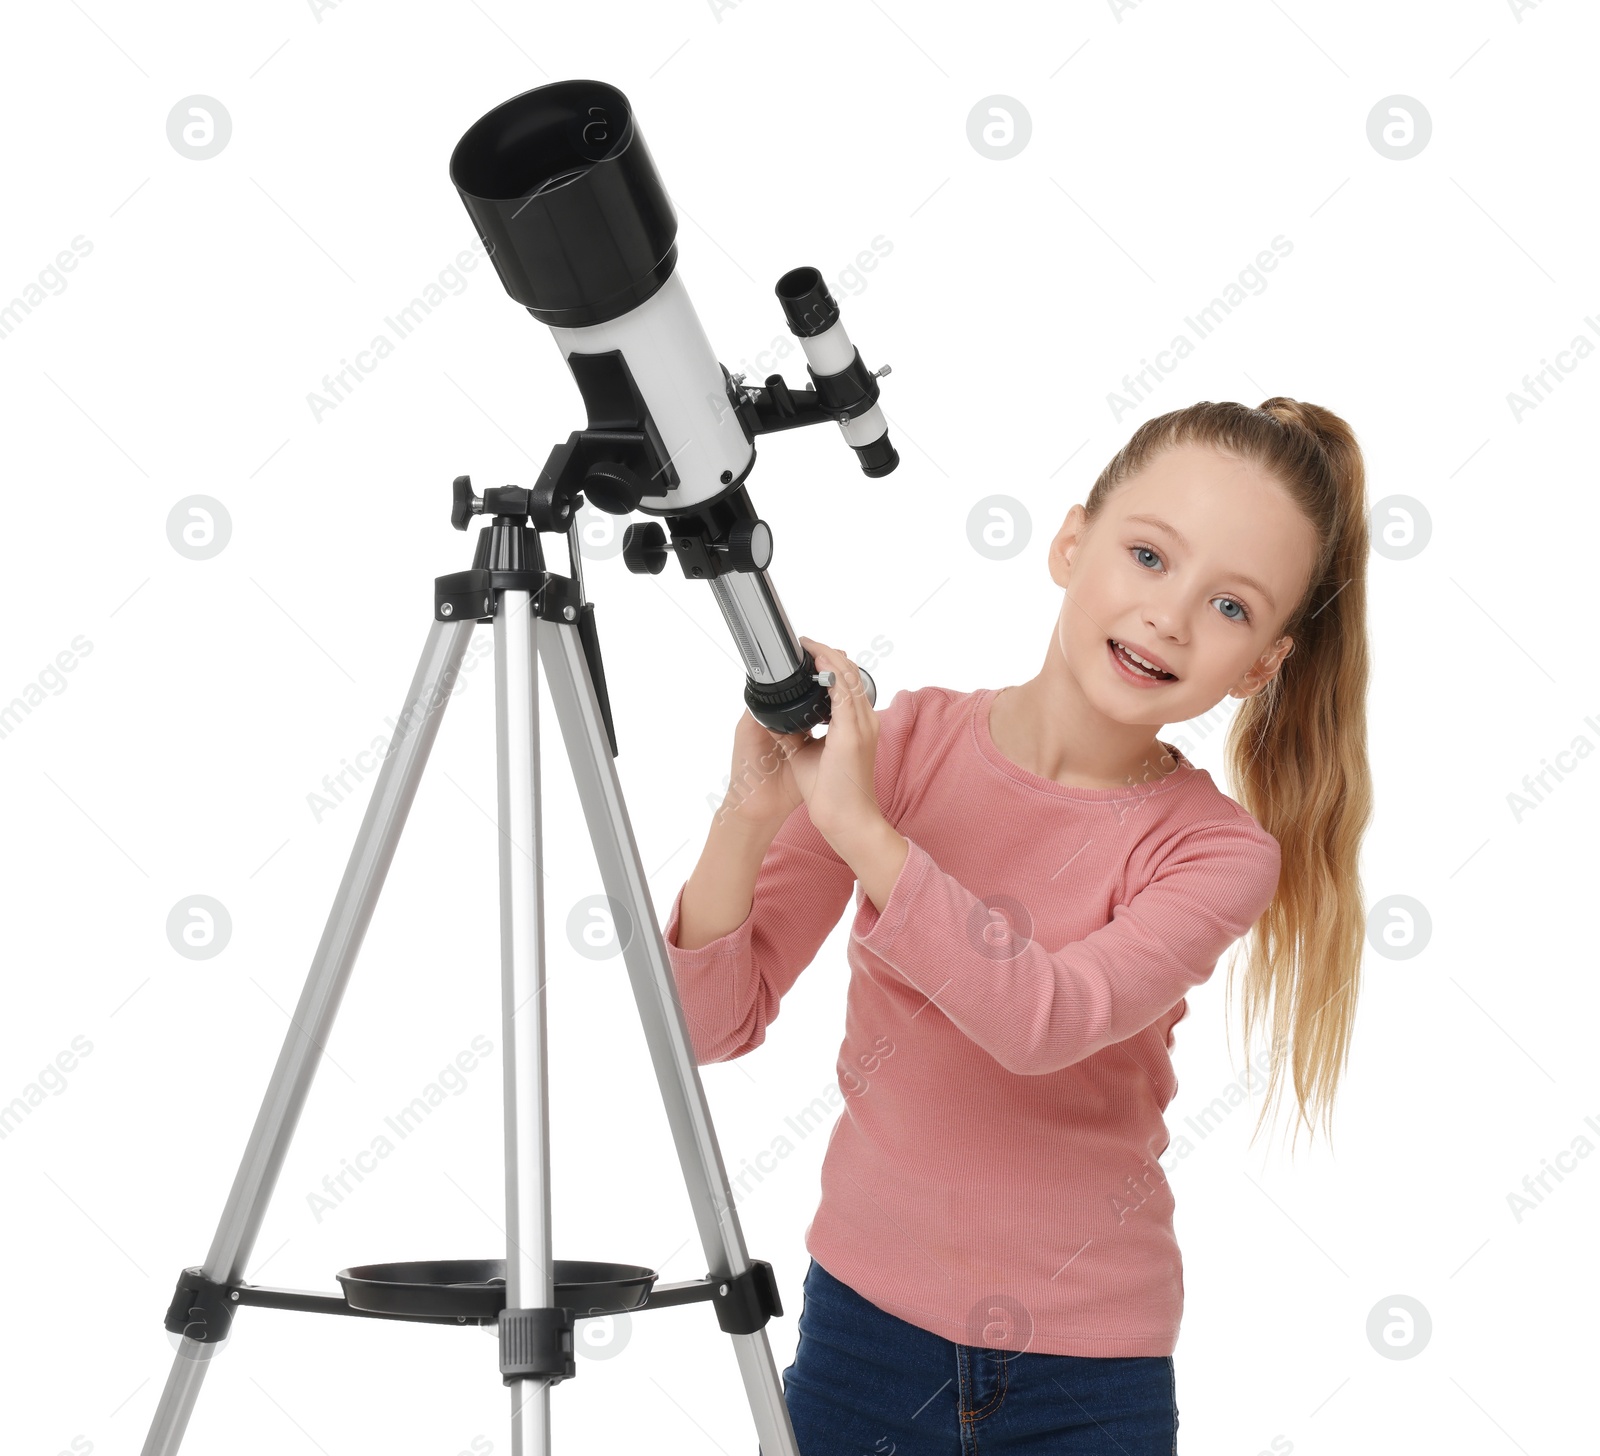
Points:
865	1383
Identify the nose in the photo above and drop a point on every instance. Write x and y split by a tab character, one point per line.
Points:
1166	615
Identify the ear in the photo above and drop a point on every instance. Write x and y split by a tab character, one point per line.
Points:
1066	543
1264	669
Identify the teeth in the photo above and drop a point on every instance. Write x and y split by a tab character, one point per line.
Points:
1141	661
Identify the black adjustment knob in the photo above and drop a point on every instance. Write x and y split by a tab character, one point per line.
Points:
749	546
465	504
613	487
644	548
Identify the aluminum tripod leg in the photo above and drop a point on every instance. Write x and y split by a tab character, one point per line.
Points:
530	1273
313	1016
595	774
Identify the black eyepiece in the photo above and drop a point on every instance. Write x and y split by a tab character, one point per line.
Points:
807	304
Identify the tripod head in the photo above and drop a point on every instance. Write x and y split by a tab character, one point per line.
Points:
566	198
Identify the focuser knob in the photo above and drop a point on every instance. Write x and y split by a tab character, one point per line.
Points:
644	548
748	547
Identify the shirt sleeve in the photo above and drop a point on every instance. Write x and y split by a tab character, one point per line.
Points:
730	987
1036	1010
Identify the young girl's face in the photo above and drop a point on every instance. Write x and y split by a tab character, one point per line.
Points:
1205	593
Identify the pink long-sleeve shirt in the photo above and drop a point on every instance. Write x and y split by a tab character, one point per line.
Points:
993	1175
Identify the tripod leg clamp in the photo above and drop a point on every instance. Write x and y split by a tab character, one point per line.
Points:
745	1304
536	1344
201	1309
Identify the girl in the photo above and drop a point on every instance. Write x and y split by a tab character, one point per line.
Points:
1041	880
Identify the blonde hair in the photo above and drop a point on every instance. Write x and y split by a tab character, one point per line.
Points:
1297	748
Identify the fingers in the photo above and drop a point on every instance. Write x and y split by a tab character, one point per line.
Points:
851	709
849	746
845	673
827	661
788	741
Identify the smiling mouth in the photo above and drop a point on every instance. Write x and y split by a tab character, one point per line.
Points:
1133	664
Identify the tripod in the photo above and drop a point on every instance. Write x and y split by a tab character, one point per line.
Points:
539	617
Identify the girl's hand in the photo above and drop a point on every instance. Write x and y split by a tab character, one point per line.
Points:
835	774
762	791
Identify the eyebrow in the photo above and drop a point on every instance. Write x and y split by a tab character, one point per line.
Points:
1177	536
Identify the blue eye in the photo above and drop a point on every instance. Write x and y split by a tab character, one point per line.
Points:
1244	611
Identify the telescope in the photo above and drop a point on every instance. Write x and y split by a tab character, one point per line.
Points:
566	199
568	203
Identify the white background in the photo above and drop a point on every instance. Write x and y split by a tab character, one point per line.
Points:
1170	144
